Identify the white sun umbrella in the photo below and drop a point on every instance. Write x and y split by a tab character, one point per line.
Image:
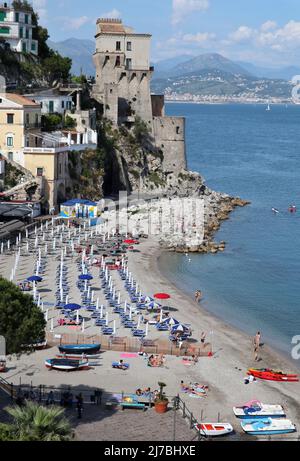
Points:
47	315
46	249
106	319
130	313
92	297
52	326
77	317
54	244
36	243
39	300
17	241
115	328
101	311
137	289
114	293
8	245
61	296
35	230
2	247
85	286
119	298
97	304
42	307
83	325
147	329
125	307
27	247
26	233
67	299
89	292
139	322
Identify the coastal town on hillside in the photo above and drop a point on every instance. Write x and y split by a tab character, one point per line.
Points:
96	343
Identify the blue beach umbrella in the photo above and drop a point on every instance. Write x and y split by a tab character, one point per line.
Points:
86	277
34	278
171	321
72	307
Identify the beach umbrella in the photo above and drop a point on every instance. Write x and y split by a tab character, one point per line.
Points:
162	296
139	323
2	247
77	317
34	278
46	315
130	313
171	321
83	325
52	326
86	277
101	311
97	304
72	307
106	320
161	316
119	298
125	307
130	242
147	329
179	327
115	329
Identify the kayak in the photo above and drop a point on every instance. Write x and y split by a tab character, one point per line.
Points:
79	349
267	426
256	409
214	429
272	375
66	364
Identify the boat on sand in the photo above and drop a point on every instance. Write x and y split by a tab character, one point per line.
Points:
272	375
214	429
256	409
66	364
267	426
79	349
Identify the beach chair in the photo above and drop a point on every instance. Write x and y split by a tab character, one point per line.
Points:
138	333
107	331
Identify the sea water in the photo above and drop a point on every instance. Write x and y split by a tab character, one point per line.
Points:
246	151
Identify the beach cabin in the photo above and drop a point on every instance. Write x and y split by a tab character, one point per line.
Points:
79	208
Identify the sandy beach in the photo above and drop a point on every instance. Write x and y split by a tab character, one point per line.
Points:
223	373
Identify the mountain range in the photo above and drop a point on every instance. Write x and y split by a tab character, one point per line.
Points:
168	72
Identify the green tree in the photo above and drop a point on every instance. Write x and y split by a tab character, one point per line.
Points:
51	122
69	122
21	321
56	67
36	423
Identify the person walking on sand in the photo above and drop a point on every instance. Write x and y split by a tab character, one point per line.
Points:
256	345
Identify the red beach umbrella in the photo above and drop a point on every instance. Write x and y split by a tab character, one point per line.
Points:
162	296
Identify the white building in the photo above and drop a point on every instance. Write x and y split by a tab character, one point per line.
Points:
16	29
52	101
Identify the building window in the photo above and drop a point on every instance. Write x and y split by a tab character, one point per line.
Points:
10	119
51	107
63	104
10	141
24	47
33	47
10	155
27	119
27	33
26	18
118	61
118	46
39	171
129	46
5	30
37	121
21	32
17	17
2	16
128	63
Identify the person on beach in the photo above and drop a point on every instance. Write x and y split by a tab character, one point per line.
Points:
203	337
257	339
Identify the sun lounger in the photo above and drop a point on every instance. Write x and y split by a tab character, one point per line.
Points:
135	405
107	331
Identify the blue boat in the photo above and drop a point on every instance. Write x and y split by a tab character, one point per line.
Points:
267	426
78	349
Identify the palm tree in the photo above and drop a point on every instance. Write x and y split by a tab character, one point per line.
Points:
37	423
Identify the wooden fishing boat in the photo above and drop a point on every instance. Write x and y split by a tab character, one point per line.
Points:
77	356
214	429
272	375
79	349
256	409
267	426
66	364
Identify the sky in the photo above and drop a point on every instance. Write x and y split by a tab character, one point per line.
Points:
263	32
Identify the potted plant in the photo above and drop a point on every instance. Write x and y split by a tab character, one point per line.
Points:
161	402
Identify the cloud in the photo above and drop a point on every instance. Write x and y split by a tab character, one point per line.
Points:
268	25
200	37
113	14
40	6
182	8
74	23
243	33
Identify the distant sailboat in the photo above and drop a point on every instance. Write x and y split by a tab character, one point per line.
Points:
268	108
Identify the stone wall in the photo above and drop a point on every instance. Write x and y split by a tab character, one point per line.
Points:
169	134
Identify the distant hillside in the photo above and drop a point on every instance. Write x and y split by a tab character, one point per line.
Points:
162	68
219	83
80	51
207	61
285	73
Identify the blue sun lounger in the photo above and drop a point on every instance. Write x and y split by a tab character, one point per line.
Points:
117	365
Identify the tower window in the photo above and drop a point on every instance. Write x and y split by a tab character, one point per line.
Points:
129	46
118	46
10	119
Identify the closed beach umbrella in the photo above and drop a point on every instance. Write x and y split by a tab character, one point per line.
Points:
106	320
83	326
115	329
101	311
147	329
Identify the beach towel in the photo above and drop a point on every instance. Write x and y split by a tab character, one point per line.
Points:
129	356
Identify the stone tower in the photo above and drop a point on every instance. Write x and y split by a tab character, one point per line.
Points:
123	77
